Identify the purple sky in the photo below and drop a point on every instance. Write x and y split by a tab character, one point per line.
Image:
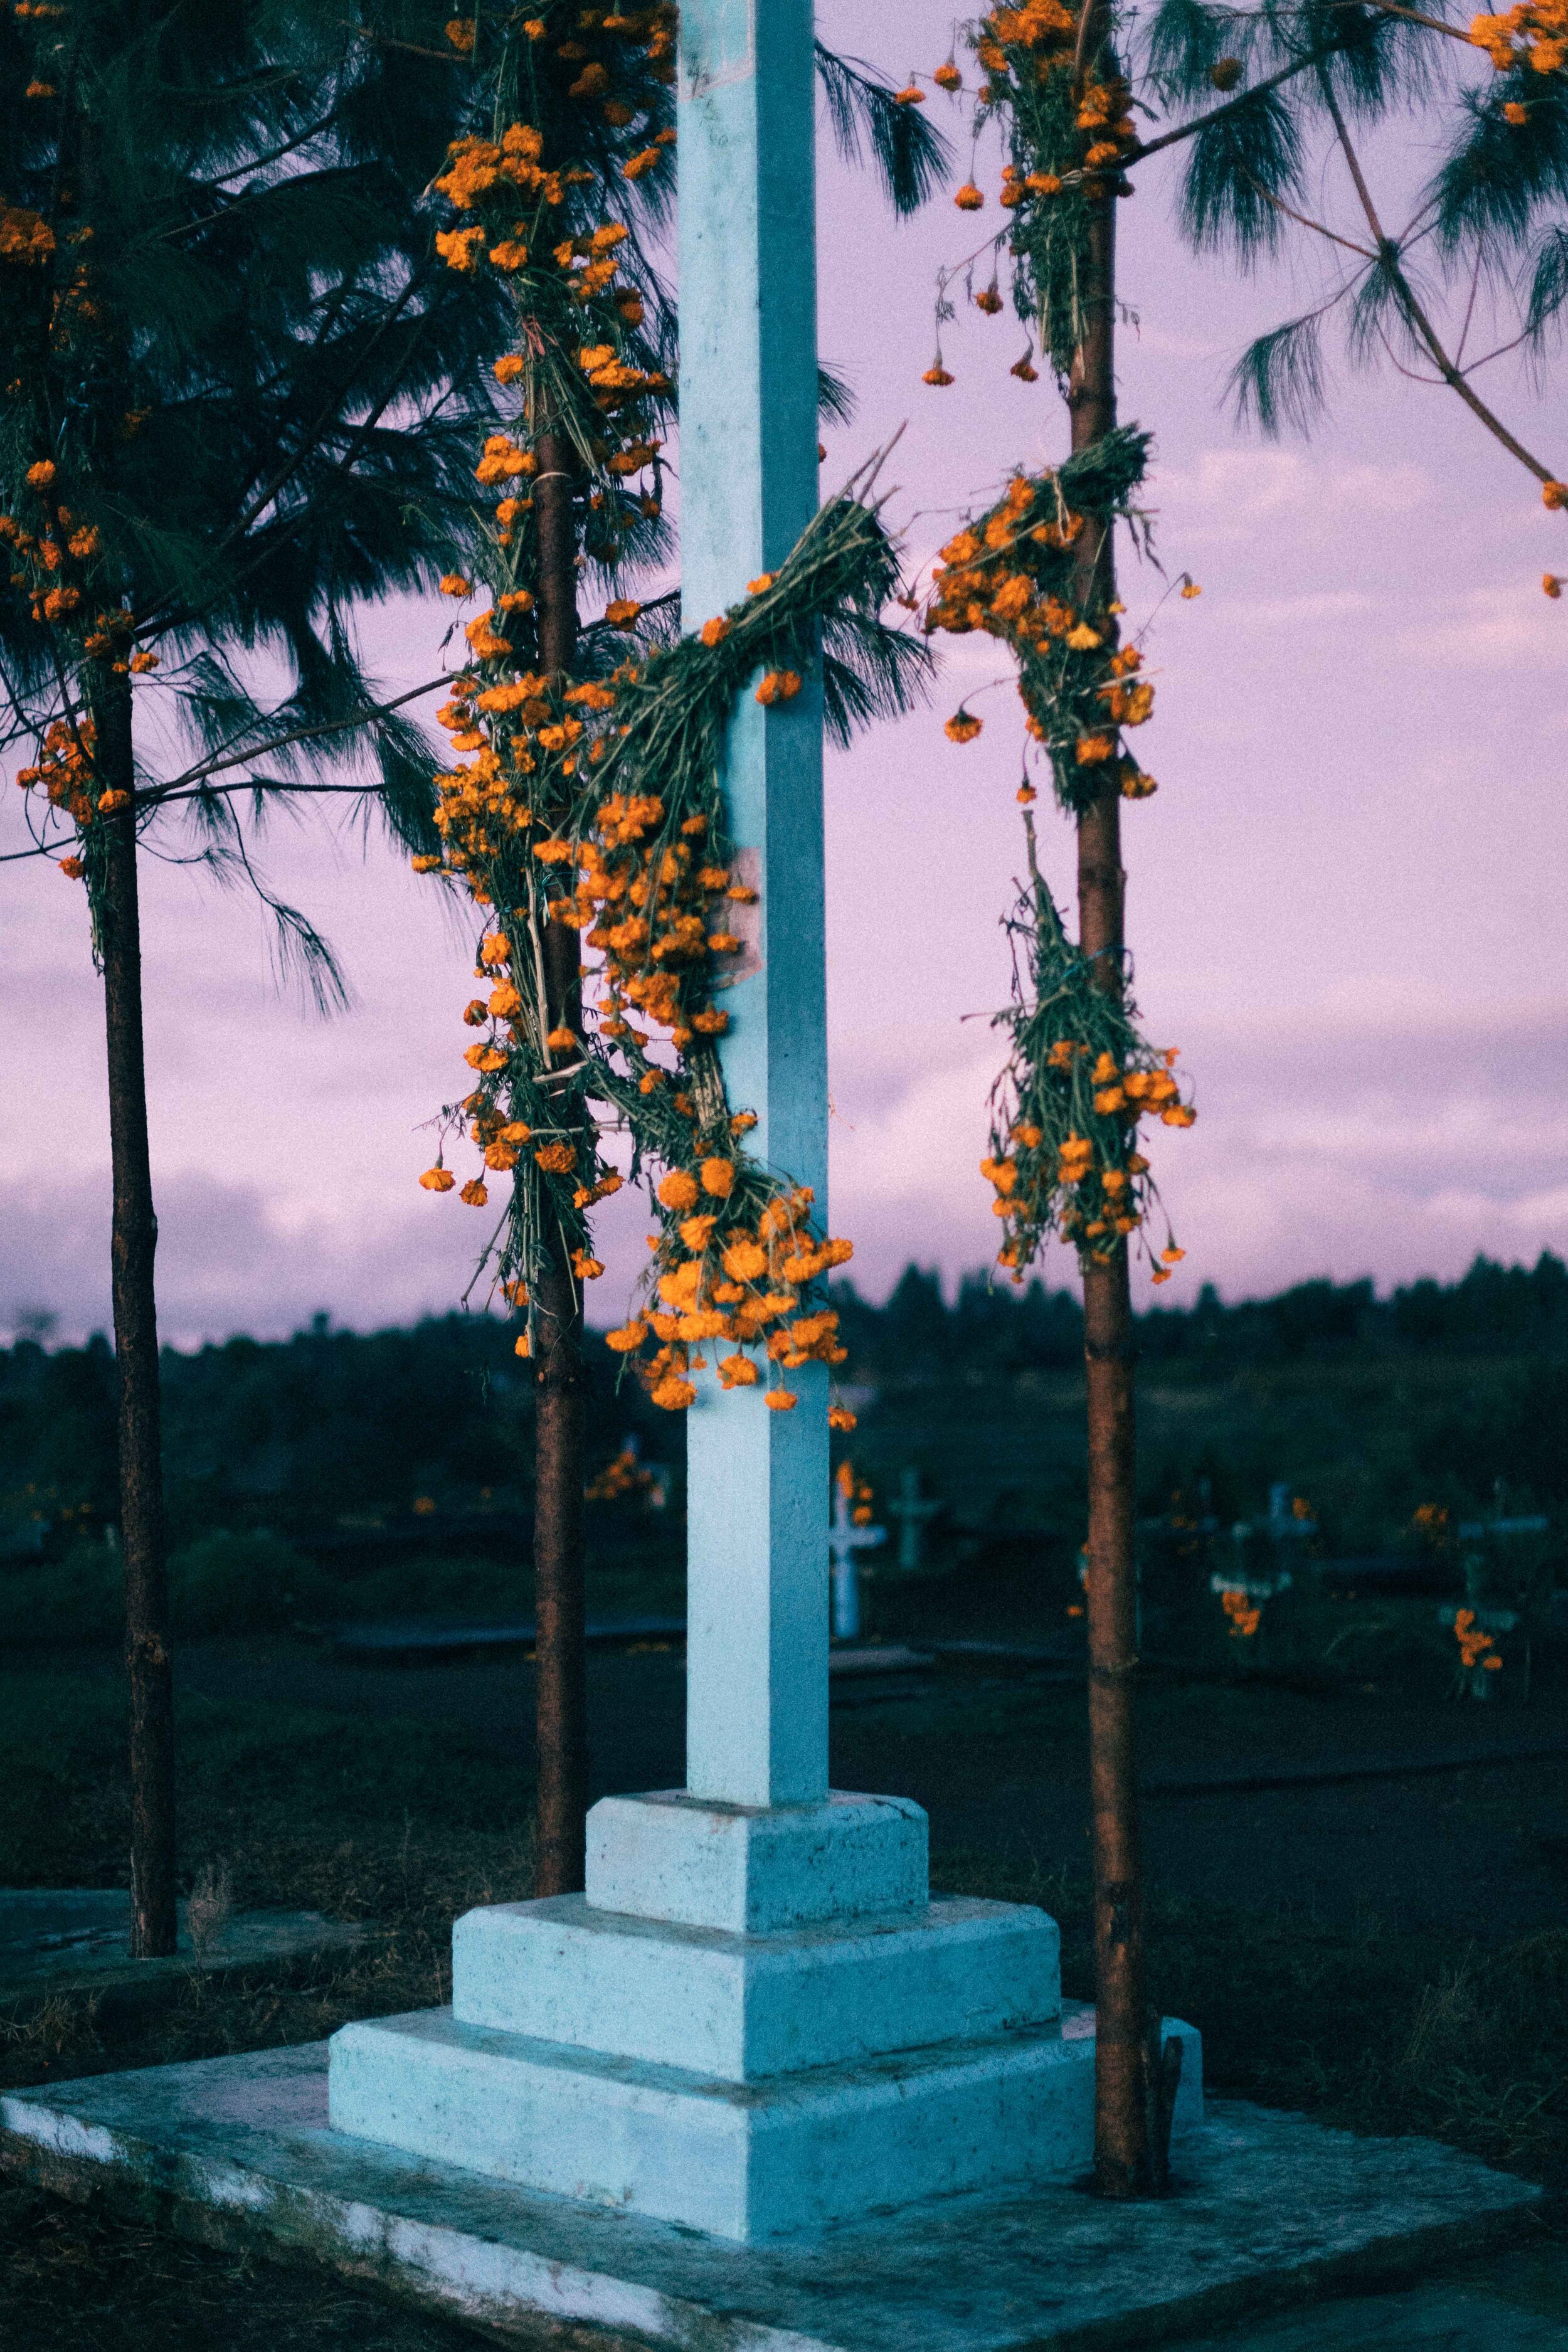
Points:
1346	902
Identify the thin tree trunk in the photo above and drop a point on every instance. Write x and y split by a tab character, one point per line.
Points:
134	1242
1124	2159
559	1394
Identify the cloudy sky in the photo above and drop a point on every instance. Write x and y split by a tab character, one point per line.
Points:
1346	902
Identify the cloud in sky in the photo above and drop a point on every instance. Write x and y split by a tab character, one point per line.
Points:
1395	1147
1347	901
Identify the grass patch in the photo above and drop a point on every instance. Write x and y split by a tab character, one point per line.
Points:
1378	2032
85	2279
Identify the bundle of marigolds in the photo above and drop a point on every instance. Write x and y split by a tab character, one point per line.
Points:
597	805
1067	1109
1012	573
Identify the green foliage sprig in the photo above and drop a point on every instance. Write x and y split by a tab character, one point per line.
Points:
1065	1111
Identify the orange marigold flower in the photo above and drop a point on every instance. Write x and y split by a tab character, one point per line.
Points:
840	1417
142	662
508	367
72	868
1552	582
1515	113
673	1395
969	198
939	376
719	1178
628	1337
911	95
1552	494
622	613
680	1190
110	804
779	685
947	77
556	1159
782	1401
713	633
474	1193
963	727
40	476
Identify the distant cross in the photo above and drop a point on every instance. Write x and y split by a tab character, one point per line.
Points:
912	1510
843	1540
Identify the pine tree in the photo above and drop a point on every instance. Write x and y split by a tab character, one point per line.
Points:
1485	245
238	404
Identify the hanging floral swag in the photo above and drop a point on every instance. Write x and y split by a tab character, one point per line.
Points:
597	802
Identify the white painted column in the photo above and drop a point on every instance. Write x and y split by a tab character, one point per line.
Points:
757	1547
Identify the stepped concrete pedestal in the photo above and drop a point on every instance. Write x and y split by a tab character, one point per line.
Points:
755	2023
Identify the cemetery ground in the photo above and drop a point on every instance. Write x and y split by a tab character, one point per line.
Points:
1361	1929
1388	1953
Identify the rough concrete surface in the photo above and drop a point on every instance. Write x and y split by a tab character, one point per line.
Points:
1271	2211
1516	2302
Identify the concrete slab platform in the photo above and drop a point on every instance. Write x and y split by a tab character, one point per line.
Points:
1272	2209
70	1941
1515	2301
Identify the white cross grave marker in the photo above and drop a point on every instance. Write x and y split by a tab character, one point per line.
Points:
844	1542
755	2023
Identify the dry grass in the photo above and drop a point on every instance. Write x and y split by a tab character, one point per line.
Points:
1376	2032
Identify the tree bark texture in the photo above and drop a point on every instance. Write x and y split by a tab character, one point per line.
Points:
560	1387
134	1244
1126	2155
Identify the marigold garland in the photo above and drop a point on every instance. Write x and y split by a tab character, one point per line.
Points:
1066	1111
1079	1076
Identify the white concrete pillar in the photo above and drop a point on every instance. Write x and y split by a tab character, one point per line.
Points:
757	1547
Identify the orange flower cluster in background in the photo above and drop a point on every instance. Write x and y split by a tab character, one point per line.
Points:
1243	1611
1476	1648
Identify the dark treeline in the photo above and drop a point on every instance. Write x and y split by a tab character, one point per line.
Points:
299	1434
991	1327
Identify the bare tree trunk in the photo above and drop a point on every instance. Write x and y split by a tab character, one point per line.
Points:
559	1394
135	1241
1126	2156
